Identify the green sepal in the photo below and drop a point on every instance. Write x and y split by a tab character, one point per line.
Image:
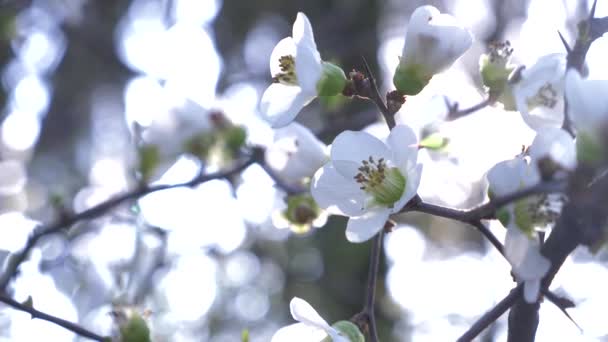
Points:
135	330
301	211
149	158
349	330
495	76
332	81
524	219
410	79
434	141
504	216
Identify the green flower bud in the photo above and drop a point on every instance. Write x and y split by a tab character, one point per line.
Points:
494	67
235	137
410	79
348	329
434	141
332	81
135	330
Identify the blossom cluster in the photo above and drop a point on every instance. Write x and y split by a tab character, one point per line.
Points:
369	179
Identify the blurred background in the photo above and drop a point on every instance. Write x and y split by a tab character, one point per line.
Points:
84	82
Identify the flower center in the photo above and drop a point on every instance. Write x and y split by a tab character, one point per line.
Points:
500	52
287	75
546	97
538	212
385	184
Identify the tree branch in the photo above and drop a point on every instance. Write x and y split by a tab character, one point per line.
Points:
75	328
15	260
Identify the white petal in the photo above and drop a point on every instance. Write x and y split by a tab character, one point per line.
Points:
308	61
531	290
556	144
412	182
362	228
588	108
507	176
299	332
434	40
403	142
285	47
337	194
548	71
523	253
303	312
355	147
296	153
281	103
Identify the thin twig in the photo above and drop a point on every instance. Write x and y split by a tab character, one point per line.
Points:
16	259
491	316
455	113
377	98
372	280
75	328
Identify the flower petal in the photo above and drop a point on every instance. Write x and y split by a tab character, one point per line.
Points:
546	76
362	228
281	103
412	182
523	253
296	153
299	332
303	312
354	147
285	47
337	194
507	176
308	61
556	144
403	142
587	105
434	40
531	290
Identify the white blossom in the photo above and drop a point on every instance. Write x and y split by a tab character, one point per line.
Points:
299	75
540	91
368	180
433	42
311	327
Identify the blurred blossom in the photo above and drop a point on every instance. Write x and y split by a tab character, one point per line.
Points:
89	197
195	11
46	297
190	287
108	173
255	195
251	303
31	95
40	51
145	101
241	268
12	177
112	244
15	228
20	131
405	244
183	55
